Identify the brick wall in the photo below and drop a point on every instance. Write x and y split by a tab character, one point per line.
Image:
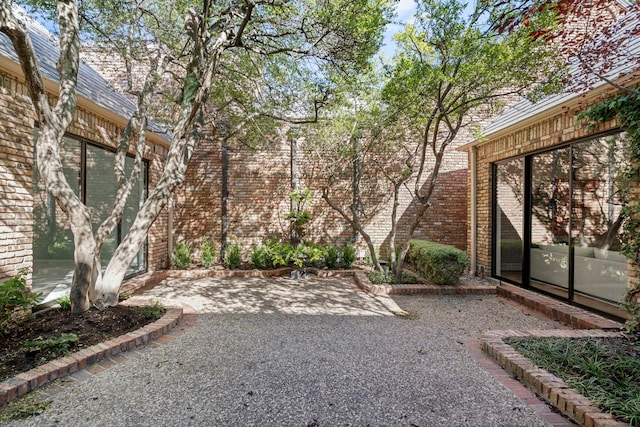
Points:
259	185
16	171
552	131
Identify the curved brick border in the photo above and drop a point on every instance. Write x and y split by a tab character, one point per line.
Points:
462	289
26	382
359	276
546	385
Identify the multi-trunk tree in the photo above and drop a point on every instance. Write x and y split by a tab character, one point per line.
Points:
222	64
450	70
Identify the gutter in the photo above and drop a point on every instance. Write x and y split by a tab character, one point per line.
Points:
474	211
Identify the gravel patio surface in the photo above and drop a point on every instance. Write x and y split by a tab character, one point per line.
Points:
312	352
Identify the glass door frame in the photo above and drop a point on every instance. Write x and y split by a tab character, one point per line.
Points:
570	294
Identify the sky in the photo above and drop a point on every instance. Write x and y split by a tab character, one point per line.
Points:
404	12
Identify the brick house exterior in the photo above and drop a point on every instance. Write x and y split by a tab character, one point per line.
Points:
100	111
537	188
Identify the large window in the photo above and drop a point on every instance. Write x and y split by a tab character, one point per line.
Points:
557	220
509	221
89	170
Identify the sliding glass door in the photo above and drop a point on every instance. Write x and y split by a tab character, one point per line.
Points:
599	269
550	219
557	221
509	223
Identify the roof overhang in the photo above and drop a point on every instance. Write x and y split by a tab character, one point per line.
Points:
569	103
13	68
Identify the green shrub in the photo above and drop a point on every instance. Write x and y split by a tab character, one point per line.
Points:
280	254
380	277
208	256
60	345
182	255
438	263
15	296
65	303
409	277
312	254
153	310
232	257
331	257
348	255
259	256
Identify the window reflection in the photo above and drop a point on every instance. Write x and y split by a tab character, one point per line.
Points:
53	240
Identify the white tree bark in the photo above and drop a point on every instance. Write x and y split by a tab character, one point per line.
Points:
54	121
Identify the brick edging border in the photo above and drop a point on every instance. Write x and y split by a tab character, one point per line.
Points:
570	315
365	284
29	381
359	276
546	385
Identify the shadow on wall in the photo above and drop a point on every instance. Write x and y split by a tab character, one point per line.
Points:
258	196
446	219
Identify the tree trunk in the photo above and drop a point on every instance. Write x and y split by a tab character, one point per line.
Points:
356	225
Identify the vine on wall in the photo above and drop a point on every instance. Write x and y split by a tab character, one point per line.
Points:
626	109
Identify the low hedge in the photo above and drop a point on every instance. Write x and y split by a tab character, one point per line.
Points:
438	263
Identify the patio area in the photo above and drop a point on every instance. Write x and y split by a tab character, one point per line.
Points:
312	352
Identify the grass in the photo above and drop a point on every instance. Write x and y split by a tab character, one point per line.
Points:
24	407
607	371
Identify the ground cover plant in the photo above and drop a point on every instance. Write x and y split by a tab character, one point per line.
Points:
607	371
35	341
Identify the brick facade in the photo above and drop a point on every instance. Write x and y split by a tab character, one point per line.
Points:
552	130
17	167
259	182
549	132
16	160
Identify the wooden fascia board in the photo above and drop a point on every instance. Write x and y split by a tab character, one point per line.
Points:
550	112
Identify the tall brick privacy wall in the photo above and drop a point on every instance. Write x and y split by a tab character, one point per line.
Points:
16	169
259	182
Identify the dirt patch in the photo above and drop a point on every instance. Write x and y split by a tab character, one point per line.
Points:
92	327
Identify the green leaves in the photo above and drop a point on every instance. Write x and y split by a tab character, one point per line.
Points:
14	296
455	63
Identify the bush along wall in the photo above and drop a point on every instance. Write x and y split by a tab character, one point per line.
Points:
440	264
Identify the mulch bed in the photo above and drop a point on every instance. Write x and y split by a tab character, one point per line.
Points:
92	327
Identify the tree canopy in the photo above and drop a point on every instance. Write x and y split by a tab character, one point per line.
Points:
222	64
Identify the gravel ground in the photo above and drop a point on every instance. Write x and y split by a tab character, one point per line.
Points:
270	366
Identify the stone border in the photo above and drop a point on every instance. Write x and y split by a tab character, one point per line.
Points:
546	385
29	381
